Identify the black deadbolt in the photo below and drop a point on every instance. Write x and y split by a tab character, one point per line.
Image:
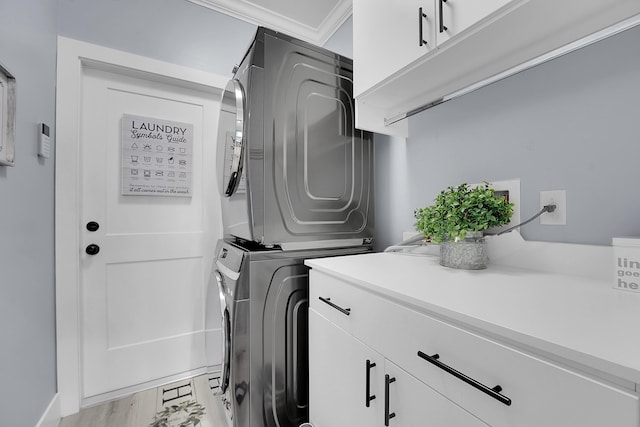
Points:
92	249
93	226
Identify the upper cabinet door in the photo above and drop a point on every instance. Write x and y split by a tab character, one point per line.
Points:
454	16
388	35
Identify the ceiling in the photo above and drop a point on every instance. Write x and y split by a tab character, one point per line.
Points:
312	20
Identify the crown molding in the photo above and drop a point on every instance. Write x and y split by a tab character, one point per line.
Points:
257	15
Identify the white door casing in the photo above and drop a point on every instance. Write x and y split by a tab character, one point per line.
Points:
155	252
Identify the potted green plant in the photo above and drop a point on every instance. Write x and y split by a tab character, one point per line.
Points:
457	220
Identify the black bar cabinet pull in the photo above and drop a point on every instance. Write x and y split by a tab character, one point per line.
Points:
387	415
443	28
345	311
493	392
369	397
421	16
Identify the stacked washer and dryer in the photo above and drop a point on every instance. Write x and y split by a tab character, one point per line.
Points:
297	184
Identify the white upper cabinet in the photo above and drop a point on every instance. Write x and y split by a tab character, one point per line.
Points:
455	16
405	61
386	36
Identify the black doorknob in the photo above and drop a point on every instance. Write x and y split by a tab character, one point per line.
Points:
93	226
92	249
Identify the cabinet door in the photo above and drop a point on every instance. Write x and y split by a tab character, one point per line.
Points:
386	37
413	403
337	377
458	15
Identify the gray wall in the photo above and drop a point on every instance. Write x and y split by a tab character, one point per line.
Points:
391	190
27	307
174	31
569	124
342	40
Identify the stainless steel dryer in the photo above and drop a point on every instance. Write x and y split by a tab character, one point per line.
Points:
297	173
264	297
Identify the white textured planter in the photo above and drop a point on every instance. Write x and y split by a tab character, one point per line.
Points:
469	253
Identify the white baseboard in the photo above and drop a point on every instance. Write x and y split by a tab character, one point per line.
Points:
127	391
51	416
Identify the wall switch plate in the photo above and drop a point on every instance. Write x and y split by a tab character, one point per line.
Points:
559	216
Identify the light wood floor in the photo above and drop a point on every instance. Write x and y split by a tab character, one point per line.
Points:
173	403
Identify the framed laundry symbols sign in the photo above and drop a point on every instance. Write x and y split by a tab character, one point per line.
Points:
157	157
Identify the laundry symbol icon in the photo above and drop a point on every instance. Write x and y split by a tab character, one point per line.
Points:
147	159
134	146
183	150
134	171
159	173
182	175
182	162
147	174
159	147
134	159
172	149
171	174
146	146
158	159
170	160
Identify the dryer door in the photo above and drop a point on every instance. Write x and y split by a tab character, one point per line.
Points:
231	161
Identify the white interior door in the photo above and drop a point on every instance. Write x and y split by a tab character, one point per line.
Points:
142	295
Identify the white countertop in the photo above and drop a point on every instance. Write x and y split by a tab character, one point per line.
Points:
582	319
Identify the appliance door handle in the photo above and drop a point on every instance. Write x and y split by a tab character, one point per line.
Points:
443	28
233	184
226	334
368	396
345	311
238	138
491	391
387	416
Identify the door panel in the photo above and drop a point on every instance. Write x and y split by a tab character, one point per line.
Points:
143	293
131	319
337	378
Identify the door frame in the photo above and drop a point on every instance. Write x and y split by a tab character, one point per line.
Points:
73	56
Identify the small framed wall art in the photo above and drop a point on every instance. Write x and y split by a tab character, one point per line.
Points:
7	117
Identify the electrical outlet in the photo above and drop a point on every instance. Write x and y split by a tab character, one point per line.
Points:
511	190
558	198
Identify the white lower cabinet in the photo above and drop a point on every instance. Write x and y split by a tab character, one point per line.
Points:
424	371
337	376
350	384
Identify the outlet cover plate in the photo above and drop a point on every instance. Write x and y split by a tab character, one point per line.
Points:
559	216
